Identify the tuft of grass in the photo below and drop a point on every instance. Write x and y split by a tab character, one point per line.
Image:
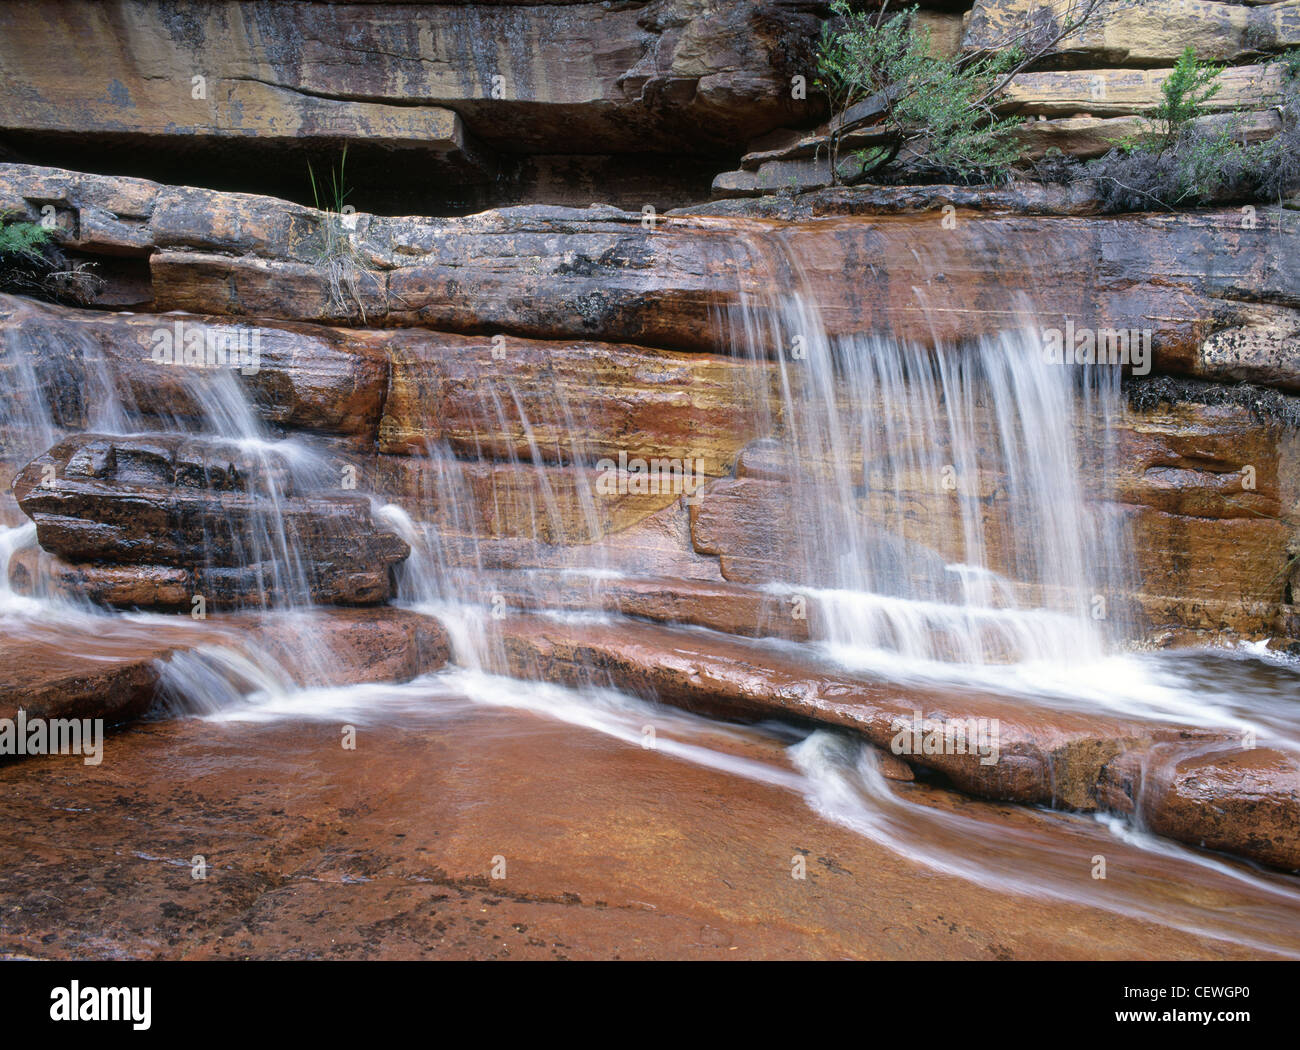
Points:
345	268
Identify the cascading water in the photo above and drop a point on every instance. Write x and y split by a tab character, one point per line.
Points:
942	512
948	527
953	513
65	386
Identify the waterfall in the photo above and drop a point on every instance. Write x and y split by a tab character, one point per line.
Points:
939	495
64	383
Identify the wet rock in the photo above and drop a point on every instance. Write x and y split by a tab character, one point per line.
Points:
1241	800
1046	757
1208	486
164	368
34	571
336	647
379	853
89	666
1216	548
1057	758
231	517
728	607
892	767
750	524
61	674
482	500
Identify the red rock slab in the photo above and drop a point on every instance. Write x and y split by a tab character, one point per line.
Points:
1248	804
611	851
1242	800
1047	757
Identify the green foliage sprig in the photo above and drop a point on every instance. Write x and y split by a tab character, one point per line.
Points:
22	238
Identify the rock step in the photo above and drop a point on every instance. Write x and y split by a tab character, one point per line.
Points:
1150	33
1244	801
1088	136
1122	92
805	167
726	607
1046	757
97	667
600	273
231	518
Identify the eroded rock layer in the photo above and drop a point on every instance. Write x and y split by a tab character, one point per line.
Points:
603	274
191	517
474	101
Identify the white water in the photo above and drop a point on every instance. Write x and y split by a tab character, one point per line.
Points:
951	520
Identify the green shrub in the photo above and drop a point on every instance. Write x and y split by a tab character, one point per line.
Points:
1178	164
936	108
1184	94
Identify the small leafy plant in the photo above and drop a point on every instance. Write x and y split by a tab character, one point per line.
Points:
32	264
22	239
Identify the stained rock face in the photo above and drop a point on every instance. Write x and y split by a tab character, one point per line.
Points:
204	518
1153	33
521	398
613	276
458	90
1212	487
